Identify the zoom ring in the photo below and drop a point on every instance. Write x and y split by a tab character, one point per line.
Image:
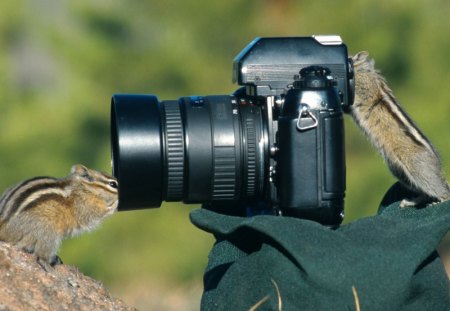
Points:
175	151
224	186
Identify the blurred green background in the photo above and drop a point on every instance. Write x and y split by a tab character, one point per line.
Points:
60	62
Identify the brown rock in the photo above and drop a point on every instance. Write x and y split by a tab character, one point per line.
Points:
25	285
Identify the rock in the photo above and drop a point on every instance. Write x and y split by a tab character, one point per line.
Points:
27	286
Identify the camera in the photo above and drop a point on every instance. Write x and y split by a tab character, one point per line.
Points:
275	146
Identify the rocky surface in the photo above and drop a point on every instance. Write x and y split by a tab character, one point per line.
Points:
25	285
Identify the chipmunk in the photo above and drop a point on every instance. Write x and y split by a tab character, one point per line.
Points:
409	154
38	213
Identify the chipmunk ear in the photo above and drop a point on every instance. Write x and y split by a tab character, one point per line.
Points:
363	61
360	57
80	170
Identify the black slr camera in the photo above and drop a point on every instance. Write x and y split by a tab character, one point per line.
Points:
274	146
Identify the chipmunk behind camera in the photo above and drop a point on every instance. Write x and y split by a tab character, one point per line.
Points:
38	213
409	154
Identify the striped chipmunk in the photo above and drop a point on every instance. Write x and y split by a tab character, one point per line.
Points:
409	155
38	213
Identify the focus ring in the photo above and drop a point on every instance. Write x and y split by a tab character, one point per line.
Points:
251	157
175	150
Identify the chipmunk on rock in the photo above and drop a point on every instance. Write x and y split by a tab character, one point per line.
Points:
38	213
408	153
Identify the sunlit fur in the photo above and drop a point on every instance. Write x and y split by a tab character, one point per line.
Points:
409	154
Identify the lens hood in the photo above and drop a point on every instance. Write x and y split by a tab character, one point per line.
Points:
137	150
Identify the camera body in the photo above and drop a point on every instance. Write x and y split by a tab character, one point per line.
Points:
274	146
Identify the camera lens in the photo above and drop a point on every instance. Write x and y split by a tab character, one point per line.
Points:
195	149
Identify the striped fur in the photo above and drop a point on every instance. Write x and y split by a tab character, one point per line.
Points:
409	154
23	195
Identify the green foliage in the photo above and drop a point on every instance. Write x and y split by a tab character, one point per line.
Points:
60	62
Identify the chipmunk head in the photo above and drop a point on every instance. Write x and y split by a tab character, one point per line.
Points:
100	189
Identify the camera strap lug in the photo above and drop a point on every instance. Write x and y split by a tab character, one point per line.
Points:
306	120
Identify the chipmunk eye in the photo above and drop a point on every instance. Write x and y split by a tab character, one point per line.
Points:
114	184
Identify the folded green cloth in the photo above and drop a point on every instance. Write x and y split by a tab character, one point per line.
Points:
383	262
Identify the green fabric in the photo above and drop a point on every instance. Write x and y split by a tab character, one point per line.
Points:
389	259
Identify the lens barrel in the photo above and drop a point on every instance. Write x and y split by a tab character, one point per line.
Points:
196	149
